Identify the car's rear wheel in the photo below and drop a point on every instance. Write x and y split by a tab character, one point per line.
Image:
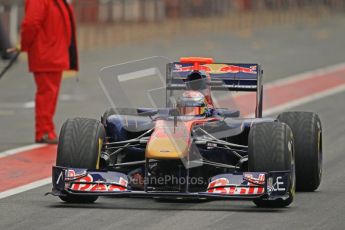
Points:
112	111
270	148
107	113
80	144
307	131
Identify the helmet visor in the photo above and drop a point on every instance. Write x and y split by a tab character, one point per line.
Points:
192	111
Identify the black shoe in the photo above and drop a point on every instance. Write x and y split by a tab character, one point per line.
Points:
46	140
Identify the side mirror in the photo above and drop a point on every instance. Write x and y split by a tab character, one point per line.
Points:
147	112
228	113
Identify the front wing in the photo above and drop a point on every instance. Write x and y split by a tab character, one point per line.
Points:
246	185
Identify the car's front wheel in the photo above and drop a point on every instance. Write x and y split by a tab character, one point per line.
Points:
271	148
80	144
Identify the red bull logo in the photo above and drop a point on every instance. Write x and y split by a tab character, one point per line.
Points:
85	184
180	68
238	69
217	68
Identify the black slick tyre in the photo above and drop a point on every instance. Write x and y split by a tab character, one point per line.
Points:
307	131
80	143
270	148
107	113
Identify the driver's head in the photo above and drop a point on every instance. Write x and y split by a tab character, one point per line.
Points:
192	103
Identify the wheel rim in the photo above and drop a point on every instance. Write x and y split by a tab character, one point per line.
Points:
100	144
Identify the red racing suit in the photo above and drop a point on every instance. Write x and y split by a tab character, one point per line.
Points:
48	35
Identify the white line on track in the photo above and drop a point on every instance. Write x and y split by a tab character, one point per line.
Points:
29	105
305	75
25	188
291	104
301	101
304	100
20	149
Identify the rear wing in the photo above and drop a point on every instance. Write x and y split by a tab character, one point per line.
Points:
223	76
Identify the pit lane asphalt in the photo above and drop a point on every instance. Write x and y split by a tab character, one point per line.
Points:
283	52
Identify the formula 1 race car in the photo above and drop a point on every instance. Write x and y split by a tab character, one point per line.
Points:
189	148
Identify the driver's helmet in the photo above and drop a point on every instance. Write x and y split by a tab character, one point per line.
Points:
192	103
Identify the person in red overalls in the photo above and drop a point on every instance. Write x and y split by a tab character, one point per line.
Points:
48	35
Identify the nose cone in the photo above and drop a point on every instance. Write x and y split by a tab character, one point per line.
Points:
167	148
168	142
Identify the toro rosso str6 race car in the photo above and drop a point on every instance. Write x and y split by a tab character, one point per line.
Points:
188	148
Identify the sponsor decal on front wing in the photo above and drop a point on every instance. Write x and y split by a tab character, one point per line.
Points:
248	184
93	183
